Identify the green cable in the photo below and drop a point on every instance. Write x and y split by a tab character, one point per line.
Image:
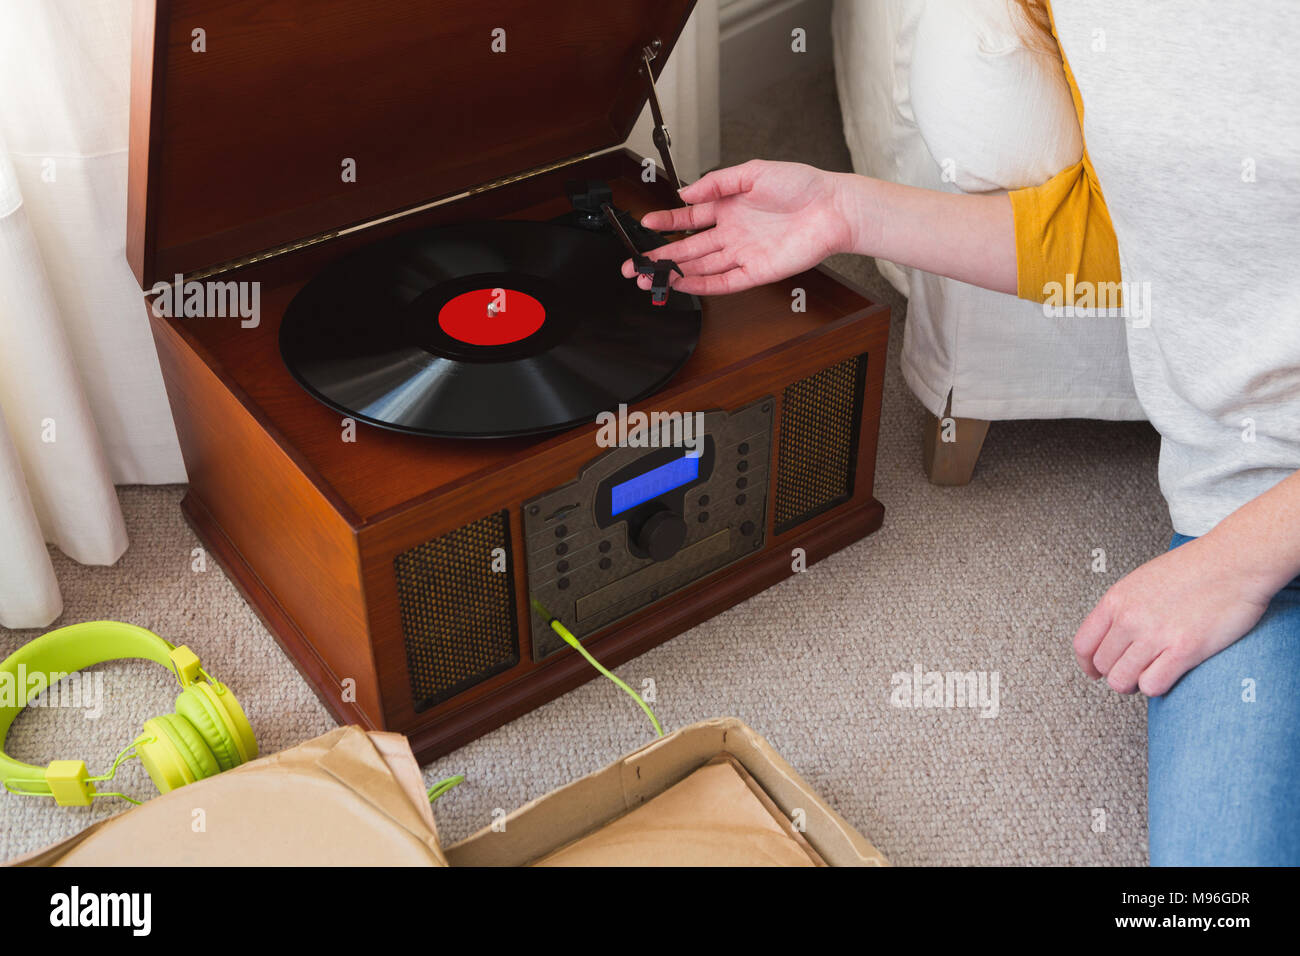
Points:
101	778
573	642
114	793
443	786
112	771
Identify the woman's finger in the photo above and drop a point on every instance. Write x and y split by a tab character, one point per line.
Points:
682	251
1163	672
692	247
721	182
712	264
1089	637
1123	676
1117	641
680	220
734	281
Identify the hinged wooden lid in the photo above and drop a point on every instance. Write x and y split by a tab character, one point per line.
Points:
246	113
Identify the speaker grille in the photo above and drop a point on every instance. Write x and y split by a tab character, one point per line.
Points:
458	615
818	451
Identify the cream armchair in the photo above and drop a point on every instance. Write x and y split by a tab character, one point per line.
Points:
950	96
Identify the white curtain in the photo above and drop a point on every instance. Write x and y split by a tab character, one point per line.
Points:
82	404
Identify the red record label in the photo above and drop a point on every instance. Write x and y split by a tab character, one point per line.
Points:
491	316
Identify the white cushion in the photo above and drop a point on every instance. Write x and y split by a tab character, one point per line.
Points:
923	81
995	112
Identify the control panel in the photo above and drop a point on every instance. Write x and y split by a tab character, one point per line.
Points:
639	523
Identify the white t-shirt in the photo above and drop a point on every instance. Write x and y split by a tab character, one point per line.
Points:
1192	122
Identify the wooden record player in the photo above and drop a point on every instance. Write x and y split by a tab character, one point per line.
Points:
395	569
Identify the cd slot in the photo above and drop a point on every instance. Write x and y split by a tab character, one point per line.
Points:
597	601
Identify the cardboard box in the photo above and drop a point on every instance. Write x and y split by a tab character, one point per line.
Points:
346	798
575	810
717	816
351	798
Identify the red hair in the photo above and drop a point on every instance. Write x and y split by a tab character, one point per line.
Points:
1036	22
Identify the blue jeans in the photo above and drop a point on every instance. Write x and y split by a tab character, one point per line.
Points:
1224	751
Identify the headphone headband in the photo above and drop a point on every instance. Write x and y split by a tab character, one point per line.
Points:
74	648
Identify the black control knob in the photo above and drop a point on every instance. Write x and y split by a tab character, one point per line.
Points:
661	535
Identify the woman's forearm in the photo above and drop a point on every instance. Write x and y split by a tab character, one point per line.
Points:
964	237
1262	537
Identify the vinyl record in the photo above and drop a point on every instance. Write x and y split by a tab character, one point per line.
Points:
484	330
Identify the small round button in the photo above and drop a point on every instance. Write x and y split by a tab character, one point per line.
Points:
606	564
562	566
743	448
742	482
704	500
562	583
604	547
740	499
561	548
747	528
742	466
703	517
561	531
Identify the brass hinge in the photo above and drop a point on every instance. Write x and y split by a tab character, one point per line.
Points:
518	177
336	233
234	264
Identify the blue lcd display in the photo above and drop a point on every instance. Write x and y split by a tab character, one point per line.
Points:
653	483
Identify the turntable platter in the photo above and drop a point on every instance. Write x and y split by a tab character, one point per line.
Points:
482	330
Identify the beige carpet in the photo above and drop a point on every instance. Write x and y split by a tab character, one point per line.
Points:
992	577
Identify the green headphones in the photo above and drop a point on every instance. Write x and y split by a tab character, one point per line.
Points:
207	733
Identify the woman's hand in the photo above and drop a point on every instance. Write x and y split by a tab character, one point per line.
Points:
1163	619
1158	622
769	221
762	222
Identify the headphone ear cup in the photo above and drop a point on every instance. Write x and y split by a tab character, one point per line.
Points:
174	753
241	731
195	706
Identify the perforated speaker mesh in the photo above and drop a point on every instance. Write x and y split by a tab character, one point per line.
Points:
818	451
458	614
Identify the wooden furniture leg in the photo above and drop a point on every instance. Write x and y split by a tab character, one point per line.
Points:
951	446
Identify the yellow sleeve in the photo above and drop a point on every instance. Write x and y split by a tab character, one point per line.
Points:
1063	227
